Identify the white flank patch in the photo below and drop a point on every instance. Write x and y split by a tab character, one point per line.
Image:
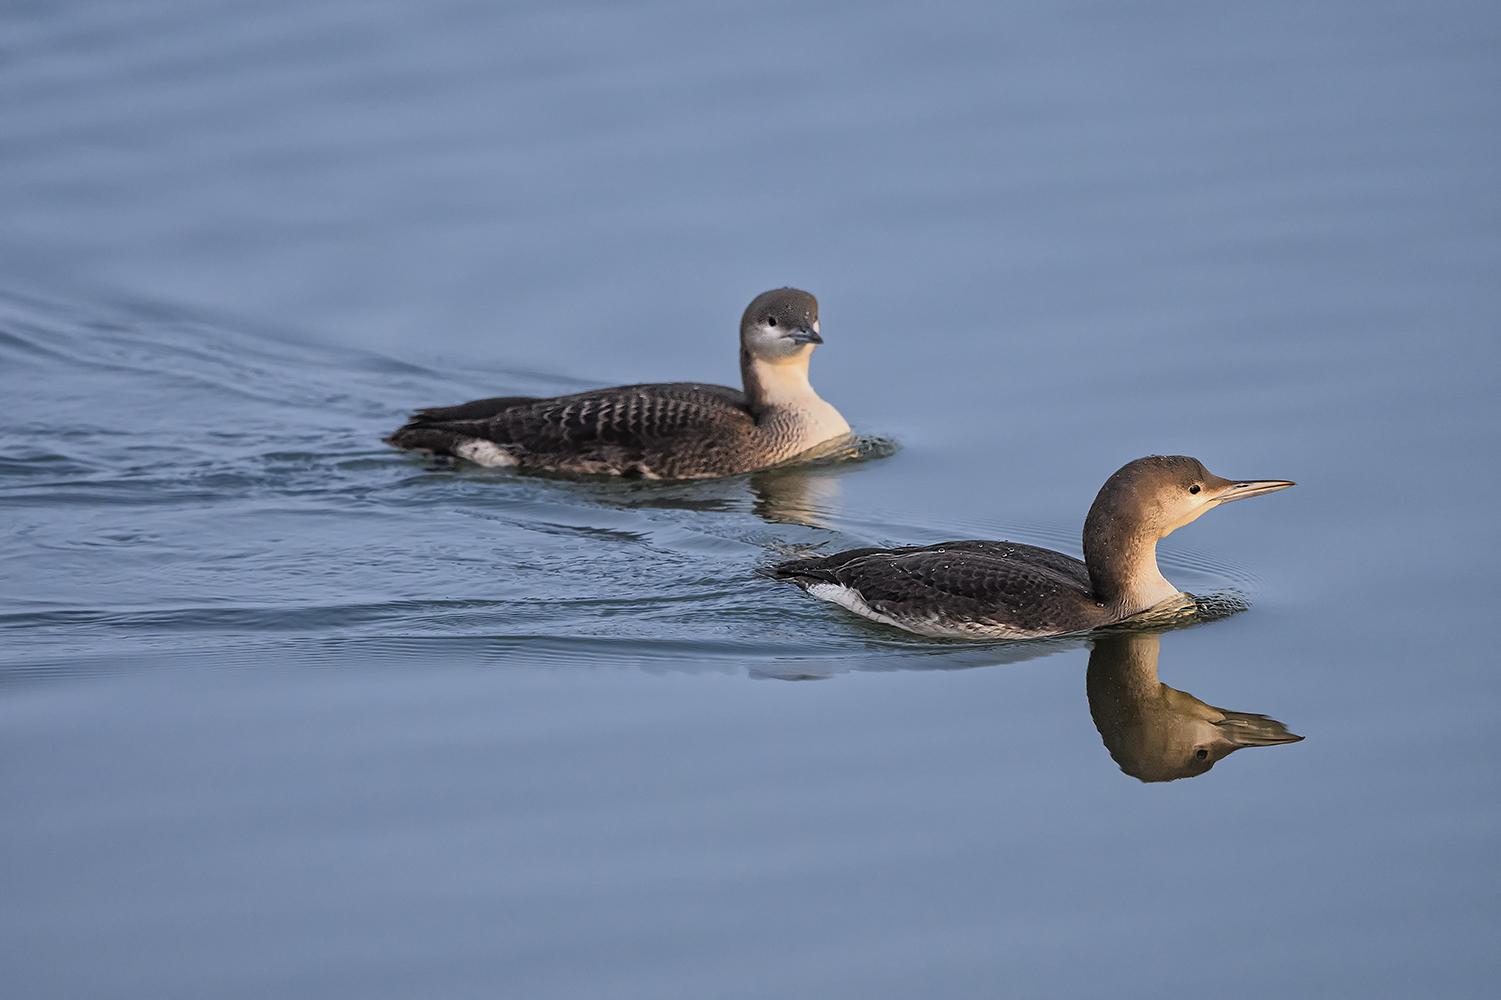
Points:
847	598
482	452
931	626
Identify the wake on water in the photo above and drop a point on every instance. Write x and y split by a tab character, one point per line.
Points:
173	486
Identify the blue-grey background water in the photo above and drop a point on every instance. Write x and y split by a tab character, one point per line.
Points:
287	713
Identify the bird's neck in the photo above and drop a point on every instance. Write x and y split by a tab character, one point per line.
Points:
1123	569
782	385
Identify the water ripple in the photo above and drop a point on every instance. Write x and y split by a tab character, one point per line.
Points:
176	485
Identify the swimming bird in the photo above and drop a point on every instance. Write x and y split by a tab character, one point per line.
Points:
1006	590
1158	733
672	430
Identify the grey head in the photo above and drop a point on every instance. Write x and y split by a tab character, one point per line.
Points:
780	326
1158	733
1146	500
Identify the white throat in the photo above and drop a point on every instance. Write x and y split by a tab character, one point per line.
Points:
1148	587
785	384
785	387
1147	593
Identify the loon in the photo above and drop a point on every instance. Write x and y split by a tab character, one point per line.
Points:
1158	733
671	430
1005	590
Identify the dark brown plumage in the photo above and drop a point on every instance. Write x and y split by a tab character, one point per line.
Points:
979	588
1005	590
673	430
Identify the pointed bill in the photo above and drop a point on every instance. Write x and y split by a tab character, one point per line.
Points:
1251	488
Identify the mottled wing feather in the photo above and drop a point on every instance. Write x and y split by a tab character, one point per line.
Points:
1034	555
626	417
630	416
1020	585
478	409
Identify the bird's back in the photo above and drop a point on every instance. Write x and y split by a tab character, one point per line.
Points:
659	430
964	588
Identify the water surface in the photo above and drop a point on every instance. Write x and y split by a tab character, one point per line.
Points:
287	713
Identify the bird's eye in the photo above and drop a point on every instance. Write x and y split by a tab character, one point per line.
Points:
1201	753
1194	488
771	321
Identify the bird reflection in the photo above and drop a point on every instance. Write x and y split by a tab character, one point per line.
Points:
1158	733
795	496
803	491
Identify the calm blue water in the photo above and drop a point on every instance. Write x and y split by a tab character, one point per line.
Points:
285	713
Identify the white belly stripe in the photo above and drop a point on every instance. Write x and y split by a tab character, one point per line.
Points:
933	626
483	452
847	598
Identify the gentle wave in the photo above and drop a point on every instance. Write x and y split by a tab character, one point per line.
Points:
174	486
